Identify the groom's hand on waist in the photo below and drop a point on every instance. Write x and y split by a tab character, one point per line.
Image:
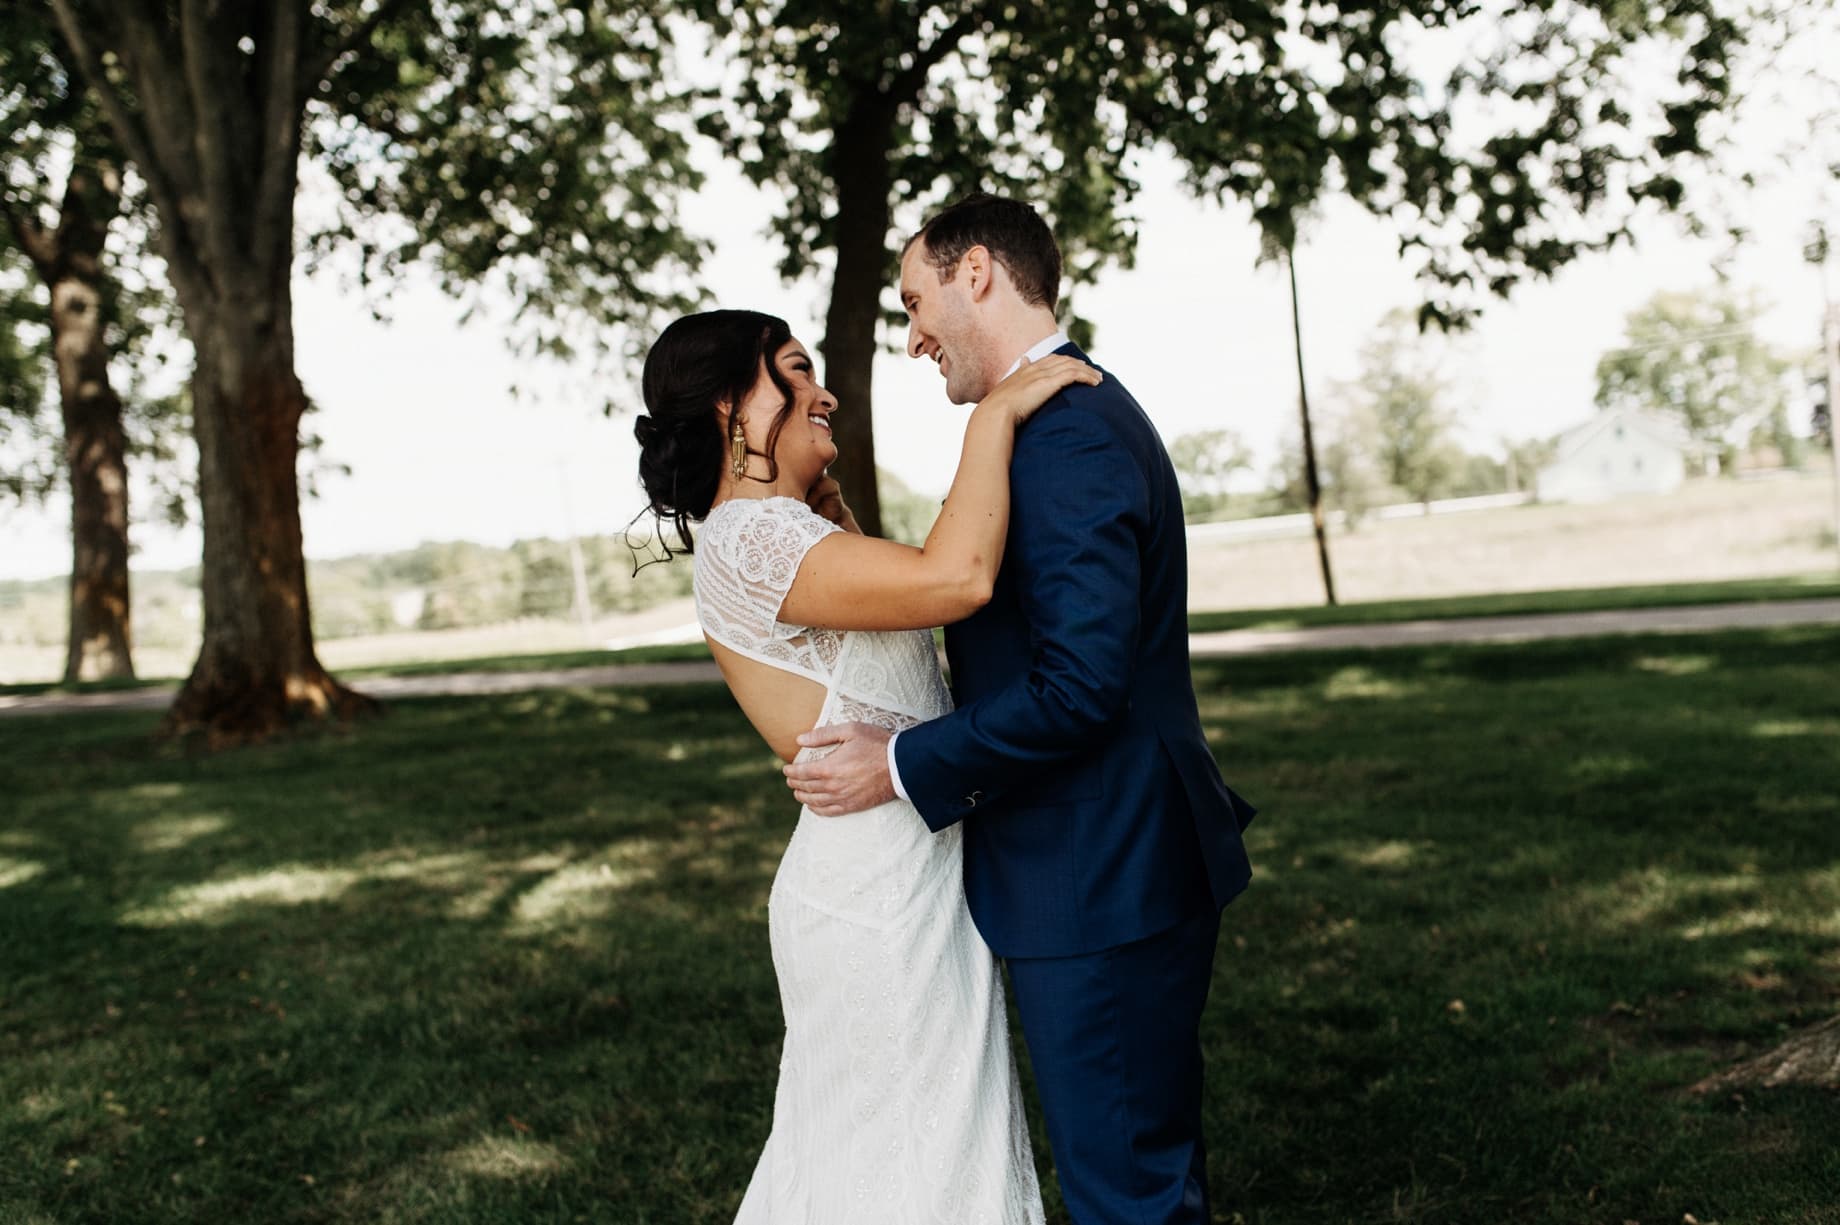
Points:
851	776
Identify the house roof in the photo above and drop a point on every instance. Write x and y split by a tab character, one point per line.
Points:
1582	435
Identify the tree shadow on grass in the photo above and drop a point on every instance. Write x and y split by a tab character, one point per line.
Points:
465	962
504	958
1507	902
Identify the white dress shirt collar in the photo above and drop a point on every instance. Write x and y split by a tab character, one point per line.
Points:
1037	351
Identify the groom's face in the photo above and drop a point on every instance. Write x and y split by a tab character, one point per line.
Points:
942	324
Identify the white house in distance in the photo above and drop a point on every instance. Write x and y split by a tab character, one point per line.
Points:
1617	452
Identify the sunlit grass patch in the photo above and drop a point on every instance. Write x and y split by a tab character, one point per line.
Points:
35	1107
18	871
1797	911
580	891
1596	767
1646	895
1829	729
288	885
1392	855
505	1157
171	833
1360	681
1733	923
1674	665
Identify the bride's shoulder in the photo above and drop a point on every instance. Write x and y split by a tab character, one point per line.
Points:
777	511
777	506
752	523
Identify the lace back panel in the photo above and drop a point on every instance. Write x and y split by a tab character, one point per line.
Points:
747	556
749	553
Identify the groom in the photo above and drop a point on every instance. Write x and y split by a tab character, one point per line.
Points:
1100	842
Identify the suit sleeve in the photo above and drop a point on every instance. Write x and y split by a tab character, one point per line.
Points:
1079	506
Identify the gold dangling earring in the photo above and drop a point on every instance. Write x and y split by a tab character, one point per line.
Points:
737	450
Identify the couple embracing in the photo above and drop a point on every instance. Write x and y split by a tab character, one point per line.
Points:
1059	808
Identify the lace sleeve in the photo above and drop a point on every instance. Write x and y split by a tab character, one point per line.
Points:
746	560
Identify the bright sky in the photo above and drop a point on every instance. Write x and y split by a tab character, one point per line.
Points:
420	407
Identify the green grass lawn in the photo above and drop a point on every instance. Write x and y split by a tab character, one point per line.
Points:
504	959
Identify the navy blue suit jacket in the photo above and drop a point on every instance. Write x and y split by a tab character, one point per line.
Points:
1094	812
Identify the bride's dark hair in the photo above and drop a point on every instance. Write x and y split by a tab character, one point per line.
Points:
697	363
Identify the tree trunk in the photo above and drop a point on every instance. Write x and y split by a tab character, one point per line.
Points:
256	671
851	326
95	452
95	443
208	102
1811	1057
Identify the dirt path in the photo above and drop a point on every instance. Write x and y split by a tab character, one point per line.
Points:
1226	643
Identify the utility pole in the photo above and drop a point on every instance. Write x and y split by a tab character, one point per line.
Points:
584	608
1312	486
1831	342
1816	253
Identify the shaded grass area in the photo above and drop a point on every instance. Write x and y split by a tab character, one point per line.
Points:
504	958
1523	603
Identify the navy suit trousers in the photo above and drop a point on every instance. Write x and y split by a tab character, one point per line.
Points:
1114	1040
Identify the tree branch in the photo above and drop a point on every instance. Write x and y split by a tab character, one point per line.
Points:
146	53
282	100
34	240
128	130
136	139
213	114
907	84
314	70
92	195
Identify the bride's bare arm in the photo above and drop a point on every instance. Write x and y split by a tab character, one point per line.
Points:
863	582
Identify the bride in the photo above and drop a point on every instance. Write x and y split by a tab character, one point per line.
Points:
897	1099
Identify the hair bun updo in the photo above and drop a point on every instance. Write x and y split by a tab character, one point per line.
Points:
698	363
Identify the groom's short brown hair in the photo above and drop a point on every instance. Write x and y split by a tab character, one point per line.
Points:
1013	233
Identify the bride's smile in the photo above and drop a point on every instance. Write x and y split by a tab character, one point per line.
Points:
784	394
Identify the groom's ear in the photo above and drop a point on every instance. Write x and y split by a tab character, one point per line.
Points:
982	268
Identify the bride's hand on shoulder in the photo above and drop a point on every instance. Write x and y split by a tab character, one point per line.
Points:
1033	384
826	498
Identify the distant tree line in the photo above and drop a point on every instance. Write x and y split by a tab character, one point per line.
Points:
1695	358
433	586
437	585
1392	433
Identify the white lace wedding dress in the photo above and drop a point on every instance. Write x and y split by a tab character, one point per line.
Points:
897	1101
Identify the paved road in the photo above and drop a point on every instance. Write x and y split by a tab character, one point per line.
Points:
1225	643
1528	628
156	697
